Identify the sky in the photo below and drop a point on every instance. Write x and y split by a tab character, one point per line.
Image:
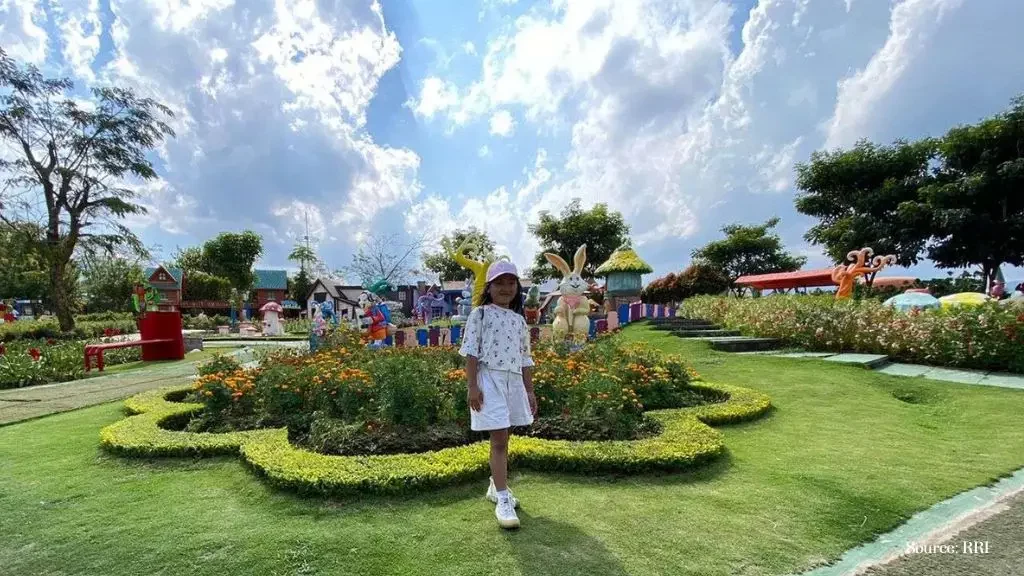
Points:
416	117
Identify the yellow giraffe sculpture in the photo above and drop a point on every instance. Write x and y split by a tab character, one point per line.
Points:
844	275
478	268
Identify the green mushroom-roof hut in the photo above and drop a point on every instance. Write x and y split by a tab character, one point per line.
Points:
623	271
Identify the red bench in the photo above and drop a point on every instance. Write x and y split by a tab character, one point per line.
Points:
96	350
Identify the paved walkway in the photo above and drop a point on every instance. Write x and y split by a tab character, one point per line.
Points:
19	404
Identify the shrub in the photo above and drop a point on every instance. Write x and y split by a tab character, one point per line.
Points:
30	362
685	441
49	329
988	337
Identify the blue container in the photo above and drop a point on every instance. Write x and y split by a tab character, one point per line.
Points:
421	336
456	333
593	329
623	314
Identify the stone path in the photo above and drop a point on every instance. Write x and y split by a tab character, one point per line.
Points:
20	404
949	538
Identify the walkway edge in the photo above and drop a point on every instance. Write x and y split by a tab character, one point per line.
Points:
932	526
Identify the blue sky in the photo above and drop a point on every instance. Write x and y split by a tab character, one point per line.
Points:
419	116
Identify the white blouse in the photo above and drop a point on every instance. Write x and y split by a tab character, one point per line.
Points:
500	341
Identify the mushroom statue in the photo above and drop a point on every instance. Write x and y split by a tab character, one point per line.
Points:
272	319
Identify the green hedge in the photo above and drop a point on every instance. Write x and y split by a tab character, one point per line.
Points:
686	441
49	328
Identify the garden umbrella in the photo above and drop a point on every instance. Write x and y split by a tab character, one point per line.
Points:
911	300
964	299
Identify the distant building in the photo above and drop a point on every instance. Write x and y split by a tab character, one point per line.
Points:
271	285
168	283
344	297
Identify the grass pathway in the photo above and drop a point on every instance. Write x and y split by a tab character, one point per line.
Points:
840	460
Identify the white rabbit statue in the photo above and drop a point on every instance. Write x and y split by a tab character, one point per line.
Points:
571	312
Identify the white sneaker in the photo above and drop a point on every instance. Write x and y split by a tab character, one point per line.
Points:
492	495
506	514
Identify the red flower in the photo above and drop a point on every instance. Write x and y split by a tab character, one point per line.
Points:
3	306
35	353
117	332
108	332
50	341
3	349
8	317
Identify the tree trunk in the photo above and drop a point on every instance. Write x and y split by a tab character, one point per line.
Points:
61	300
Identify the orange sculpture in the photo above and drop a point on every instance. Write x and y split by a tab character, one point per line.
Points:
844	275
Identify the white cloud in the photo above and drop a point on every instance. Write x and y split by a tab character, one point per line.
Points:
484	151
502	123
80	26
21	31
436	96
469	48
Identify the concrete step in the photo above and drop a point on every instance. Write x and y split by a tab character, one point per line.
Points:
673	323
743	344
869	361
705	333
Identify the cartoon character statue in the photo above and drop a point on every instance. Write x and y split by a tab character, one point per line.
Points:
425	305
377	313
477	267
317	328
571	312
327	310
464	304
844	275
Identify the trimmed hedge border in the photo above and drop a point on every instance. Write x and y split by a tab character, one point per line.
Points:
686	441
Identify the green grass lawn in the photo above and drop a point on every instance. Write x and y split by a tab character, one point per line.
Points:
200	355
838	460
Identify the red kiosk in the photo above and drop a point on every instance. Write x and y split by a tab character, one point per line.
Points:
161	337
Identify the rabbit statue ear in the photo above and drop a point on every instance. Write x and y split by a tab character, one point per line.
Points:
580	259
558	262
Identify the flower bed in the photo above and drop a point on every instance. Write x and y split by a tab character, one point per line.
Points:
989	337
686	441
49	329
30	362
346	399
327	422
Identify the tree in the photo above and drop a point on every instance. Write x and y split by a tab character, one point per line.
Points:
384	257
748	250
442	263
856	194
204	286
107	284
701	278
603	231
188	259
305	256
68	164
232	255
974	207
24	273
299	286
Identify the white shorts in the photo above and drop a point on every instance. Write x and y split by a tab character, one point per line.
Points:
505	401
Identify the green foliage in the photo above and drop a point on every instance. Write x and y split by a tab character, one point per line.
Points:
855	195
697	279
107	284
973	209
748	250
304	255
986	337
481	247
203	286
49	328
24	269
189	259
59	361
533	297
603	231
685	442
300	286
232	255
72	159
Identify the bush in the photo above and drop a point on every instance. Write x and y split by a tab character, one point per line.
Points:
30	362
988	337
203	286
347	397
50	329
685	441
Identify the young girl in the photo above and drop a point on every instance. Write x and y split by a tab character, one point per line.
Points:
498	364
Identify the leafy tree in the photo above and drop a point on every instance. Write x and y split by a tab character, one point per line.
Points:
384	257
305	256
107	284
974	208
299	286
600	229
442	263
204	286
701	278
66	165
24	273
748	250
188	259
232	255
856	194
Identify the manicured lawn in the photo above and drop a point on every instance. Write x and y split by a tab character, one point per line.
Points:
197	356
839	460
